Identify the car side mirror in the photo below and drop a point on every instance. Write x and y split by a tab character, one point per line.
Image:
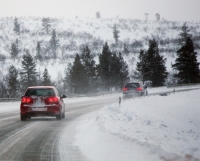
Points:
63	96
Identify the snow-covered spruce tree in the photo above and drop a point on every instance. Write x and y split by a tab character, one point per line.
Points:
157	15
186	64
68	85
98	15
78	77
46	23
38	52
46	79
116	33
90	69
28	74
185	33
124	70
3	89
12	81
154	65
16	26
119	71
140	66
115	67
54	44
126	49
13	51
103	68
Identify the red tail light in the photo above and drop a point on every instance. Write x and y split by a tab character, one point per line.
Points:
139	89
125	89
52	100
27	100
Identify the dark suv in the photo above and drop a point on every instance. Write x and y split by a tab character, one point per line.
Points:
134	89
42	101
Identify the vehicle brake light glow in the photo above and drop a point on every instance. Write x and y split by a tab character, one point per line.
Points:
139	89
27	100
53	100
125	89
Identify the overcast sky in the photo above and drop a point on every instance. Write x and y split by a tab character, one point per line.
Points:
175	10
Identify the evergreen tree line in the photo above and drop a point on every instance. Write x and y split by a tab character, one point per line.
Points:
151	65
16	81
84	75
52	48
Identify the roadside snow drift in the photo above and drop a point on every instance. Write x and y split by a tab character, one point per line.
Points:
144	129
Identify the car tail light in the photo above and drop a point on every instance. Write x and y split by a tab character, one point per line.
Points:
52	100
125	89
139	89
27	100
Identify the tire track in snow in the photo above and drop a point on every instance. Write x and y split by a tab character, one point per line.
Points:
67	151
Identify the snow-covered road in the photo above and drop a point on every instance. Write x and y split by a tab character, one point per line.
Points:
44	138
150	128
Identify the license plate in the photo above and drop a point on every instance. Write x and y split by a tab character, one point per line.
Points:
39	109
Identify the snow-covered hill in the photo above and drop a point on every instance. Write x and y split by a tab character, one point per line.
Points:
73	34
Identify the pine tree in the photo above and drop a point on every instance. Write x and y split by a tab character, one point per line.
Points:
68	85
13	51
103	67
154	65
12	81
124	70
77	76
126	49
46	24
98	15
17	43
116	33
185	33
115	67
119	71
54	43
38	52
186	64
16	26
157	15
140	66
28	72
3	90
89	65
46	79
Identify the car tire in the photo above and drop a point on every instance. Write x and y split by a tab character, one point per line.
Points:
59	116
23	118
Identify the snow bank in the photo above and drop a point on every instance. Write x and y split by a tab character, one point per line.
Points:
147	128
9	107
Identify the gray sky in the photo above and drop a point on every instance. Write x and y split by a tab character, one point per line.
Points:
177	10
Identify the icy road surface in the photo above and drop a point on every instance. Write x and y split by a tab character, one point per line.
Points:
41	137
100	133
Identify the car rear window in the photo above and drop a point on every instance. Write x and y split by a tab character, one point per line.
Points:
132	85
40	92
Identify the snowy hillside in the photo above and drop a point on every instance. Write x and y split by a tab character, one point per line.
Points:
74	33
